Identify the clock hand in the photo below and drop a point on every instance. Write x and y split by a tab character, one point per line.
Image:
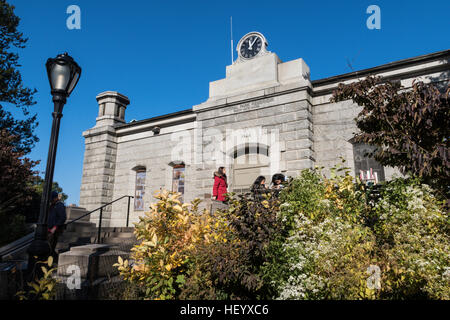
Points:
249	44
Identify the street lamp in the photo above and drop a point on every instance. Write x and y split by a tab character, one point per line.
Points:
63	74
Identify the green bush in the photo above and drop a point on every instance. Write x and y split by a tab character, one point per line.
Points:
330	245
323	238
327	248
234	266
412	234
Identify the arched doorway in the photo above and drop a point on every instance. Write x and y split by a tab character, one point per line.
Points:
249	162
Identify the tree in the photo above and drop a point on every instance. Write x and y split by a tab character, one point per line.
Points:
20	190
15	187
12	89
409	127
31	208
14	168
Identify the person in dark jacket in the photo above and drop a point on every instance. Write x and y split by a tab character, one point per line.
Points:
277	183
220	184
259	188
56	219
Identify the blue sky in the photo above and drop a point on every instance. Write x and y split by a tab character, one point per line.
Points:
163	54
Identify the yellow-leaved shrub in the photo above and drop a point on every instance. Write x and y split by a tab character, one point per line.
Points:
167	237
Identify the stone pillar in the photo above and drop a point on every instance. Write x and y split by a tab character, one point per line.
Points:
99	163
298	148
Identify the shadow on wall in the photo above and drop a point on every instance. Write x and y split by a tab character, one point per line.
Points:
442	81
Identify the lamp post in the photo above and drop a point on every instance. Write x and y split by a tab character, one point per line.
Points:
63	74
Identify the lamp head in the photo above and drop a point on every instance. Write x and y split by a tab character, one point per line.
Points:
63	74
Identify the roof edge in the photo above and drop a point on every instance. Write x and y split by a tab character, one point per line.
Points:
381	68
161	117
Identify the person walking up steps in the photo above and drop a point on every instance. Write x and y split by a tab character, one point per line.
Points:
56	219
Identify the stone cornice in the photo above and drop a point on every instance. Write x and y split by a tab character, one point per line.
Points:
252	96
95	131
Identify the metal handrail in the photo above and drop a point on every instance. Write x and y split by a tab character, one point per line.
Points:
101	215
16	246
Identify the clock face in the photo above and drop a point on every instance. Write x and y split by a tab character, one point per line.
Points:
251	46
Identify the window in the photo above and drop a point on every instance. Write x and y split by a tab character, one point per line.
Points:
139	190
178	179
367	168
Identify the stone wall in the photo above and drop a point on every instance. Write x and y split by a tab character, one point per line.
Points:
98	170
286	117
155	153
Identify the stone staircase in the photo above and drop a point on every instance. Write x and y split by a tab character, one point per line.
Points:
78	245
83	232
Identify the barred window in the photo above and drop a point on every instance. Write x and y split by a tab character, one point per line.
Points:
178	179
366	167
139	190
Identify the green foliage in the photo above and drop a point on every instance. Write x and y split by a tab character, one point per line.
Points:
234	265
330	245
412	232
15	178
12	90
168	235
30	208
327	248
41	288
16	135
319	239
410	127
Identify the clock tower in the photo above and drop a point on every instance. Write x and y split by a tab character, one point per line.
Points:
256	68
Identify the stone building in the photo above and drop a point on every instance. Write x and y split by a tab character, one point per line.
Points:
266	116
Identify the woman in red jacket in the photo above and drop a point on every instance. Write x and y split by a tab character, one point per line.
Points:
220	185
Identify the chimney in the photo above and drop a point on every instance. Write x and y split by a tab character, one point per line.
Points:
111	108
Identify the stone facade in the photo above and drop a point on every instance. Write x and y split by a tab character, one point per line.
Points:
265	117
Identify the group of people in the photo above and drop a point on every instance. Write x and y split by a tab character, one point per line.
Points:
258	187
57	210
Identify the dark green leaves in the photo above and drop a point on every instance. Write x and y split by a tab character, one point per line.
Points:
410	126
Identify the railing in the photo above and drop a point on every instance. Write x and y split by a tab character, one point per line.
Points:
19	246
16	248
101	215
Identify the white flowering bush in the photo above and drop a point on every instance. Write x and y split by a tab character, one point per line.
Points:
329	248
413	235
328	261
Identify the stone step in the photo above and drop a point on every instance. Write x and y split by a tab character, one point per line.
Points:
68	234
82	233
62	246
94	260
119	240
68	238
81	226
118	235
118	229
